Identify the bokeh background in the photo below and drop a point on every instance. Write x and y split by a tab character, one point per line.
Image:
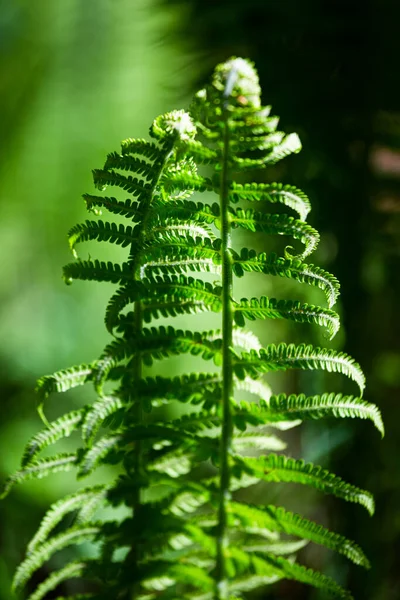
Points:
76	77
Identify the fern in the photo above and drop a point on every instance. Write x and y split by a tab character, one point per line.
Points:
197	540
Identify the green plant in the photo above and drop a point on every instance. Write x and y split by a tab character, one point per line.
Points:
186	535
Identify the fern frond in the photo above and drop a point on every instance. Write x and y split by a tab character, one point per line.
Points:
167	296
97	454
290	356
88	270
277	224
170	229
71	570
64	380
128	208
59	509
96	415
279	468
141	147
288	195
197	421
185	538
126	162
169	240
279	548
257	441
186	574
185	210
255	142
75	535
199	152
40	468
174	464
276	567
183	181
277	519
283	407
255	386
290	145
156	343
192	388
59	429
102	232
294	268
177	255
102	179
174	264
294	310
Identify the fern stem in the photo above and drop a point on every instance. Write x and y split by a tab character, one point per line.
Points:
137	366
222	591
138	454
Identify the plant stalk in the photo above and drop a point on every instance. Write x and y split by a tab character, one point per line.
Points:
222	588
137	370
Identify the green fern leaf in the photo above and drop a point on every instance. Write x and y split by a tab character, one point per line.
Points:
254	386
164	296
102	232
271	264
71	570
288	195
183	181
283	407
75	535
59	429
133	185
141	147
126	162
277	519
277	224
156	343
281	568
283	357
128	208
187	210
193	388
173	230
281	468
96	270
199	152
97	454
169	296
40	468
258	441
59	509
64	380
289	145
256	142
197	421
96	415
270	308
186	574
279	548
174	464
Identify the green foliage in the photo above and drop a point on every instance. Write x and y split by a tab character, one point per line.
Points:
197	540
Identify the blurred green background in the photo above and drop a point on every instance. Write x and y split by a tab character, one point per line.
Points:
76	77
